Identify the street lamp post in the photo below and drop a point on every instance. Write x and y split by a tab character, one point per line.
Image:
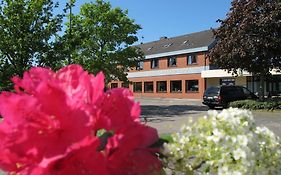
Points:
70	31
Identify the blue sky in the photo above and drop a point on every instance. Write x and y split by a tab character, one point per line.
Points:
170	17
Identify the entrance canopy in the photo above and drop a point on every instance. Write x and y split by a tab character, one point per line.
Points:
221	73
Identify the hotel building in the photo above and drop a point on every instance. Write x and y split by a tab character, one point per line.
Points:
179	67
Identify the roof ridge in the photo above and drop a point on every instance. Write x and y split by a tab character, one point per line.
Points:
189	34
174	37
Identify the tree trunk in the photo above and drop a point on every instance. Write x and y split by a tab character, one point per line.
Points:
261	88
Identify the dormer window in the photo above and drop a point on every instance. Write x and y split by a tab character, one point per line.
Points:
168	45
185	42
149	48
172	61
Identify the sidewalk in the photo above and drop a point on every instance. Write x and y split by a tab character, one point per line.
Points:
168	101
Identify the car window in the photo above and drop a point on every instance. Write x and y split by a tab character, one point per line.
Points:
246	91
229	90
212	90
239	91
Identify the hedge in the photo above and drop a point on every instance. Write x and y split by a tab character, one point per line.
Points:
268	104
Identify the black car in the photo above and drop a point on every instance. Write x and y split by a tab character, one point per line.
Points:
223	95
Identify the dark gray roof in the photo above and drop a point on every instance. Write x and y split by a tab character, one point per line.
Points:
189	41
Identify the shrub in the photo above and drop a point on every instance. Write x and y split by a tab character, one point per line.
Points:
224	143
272	104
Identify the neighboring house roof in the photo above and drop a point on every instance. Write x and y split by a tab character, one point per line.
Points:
179	45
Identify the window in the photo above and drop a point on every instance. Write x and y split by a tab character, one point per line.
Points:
212	91
161	86
192	86
246	92
186	42
137	86
114	85
176	86
191	59
227	81
139	65
148	86
172	61
154	63
168	45
125	85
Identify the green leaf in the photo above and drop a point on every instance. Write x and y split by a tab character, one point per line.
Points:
101	40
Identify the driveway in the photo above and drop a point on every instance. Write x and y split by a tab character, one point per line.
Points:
168	115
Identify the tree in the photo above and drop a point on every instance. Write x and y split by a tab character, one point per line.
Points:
27	32
101	40
250	38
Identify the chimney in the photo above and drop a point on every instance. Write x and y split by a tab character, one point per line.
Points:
163	37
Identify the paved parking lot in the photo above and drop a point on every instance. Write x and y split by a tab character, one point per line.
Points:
168	115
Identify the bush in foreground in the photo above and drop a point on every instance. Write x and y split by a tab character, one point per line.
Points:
224	143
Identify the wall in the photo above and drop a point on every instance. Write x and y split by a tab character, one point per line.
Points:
240	81
212	82
163	65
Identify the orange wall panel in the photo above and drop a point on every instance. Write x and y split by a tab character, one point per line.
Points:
163	63
146	65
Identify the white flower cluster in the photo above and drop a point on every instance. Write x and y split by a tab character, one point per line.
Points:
224	143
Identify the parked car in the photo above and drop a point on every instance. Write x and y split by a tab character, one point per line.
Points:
221	96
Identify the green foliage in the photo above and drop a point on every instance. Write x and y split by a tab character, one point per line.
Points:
100	40
26	30
272	104
167	138
249	38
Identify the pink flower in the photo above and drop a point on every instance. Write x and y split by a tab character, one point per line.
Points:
51	123
117	110
128	151
80	158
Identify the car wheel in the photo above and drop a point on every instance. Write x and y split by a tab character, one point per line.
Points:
211	106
